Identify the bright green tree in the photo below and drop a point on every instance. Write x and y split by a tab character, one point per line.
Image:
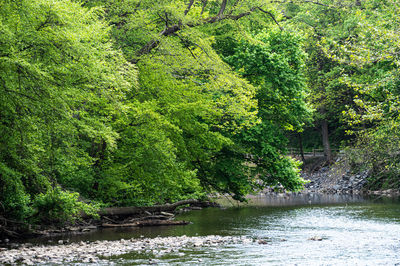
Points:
353	74
199	105
61	85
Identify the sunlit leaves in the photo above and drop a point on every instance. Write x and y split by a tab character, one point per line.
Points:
61	84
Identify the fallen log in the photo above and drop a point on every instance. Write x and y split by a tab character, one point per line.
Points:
162	222
126	211
156	217
132	220
146	223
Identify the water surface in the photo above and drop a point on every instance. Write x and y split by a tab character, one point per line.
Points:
354	231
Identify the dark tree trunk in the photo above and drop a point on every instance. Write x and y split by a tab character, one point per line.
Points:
325	140
301	147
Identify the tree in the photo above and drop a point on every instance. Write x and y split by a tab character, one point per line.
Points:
140	102
61	84
274	63
374	118
190	88
324	24
353	62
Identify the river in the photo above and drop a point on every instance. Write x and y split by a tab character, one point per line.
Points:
295	230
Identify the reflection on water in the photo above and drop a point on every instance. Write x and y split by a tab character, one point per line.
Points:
354	231
294	199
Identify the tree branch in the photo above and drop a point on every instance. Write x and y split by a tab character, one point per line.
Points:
189	7
222	8
315	3
176	27
233	7
272	16
305	1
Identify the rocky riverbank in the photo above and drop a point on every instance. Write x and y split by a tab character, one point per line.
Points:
337	179
98	251
157	215
333	181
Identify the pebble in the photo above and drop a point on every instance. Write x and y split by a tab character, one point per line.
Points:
316	238
89	252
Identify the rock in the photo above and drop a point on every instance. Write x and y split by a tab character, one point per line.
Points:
28	262
262	242
315	238
151	261
388	191
60	242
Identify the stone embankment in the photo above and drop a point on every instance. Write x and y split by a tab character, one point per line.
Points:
332	181
97	252
339	180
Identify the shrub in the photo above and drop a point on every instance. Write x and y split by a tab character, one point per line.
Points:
58	206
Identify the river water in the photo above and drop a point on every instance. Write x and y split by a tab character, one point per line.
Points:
346	231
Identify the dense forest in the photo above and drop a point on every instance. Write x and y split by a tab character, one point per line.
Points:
137	102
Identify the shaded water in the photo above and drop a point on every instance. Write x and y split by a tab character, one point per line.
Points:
354	231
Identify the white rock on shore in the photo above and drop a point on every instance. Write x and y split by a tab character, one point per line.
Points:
89	252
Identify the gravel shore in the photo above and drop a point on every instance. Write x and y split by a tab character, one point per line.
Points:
96	252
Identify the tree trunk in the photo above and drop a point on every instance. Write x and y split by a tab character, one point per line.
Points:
301	147
325	140
147	223
126	211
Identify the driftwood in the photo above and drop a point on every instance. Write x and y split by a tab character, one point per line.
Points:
9	228
156	217
126	211
7	232
146	223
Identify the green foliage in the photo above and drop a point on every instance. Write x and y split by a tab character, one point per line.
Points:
61	83
374	117
354	78
374	153
142	102
273	62
57	206
188	106
13	197
146	168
